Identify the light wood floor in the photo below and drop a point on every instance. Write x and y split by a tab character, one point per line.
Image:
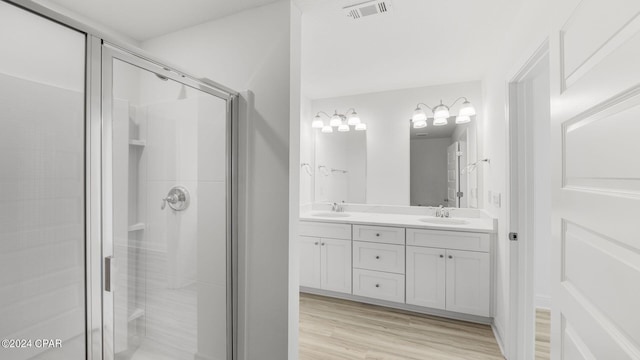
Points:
334	329
543	330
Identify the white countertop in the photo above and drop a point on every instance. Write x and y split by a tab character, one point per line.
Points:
474	224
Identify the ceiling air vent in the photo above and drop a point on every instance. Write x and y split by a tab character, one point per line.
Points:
367	8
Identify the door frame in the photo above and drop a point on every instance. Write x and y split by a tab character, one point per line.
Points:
520	344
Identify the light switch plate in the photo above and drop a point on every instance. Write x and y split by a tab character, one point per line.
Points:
497	200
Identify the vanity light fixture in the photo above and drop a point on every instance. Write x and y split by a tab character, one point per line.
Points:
338	120
441	114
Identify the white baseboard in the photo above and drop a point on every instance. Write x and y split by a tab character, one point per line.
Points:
543	302
497	332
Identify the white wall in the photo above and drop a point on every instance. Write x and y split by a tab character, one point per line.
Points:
251	50
387	117
528	32
429	171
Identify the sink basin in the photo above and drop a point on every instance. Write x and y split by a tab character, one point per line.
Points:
331	214
446	221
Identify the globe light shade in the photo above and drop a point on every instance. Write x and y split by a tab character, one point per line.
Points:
354	119
317	122
467	109
420	124
419	115
361	127
343	128
440	121
441	112
327	129
335	121
462	119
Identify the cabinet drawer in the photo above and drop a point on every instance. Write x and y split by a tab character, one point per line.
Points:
379	234
379	257
448	240
325	230
378	285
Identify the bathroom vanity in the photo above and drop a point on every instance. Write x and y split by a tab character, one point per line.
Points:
412	260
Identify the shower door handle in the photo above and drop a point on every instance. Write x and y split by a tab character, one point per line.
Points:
107	273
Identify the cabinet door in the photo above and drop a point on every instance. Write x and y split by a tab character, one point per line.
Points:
335	265
468	282
426	277
309	261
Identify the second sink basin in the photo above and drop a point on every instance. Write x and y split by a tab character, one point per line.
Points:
447	221
331	214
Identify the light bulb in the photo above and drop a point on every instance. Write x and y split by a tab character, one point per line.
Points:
317	122
420	124
440	121
441	112
354	119
327	129
336	120
467	109
343	128
419	115
462	119
361	126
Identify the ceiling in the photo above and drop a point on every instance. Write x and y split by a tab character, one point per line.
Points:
418	43
145	19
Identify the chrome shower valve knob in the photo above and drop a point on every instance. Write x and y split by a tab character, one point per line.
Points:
177	198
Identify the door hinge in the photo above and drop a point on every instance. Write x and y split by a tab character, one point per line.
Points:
459	194
513	236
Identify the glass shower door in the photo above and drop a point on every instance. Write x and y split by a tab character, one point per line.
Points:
166	237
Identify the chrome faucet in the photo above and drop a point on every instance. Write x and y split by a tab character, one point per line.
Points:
442	212
337	207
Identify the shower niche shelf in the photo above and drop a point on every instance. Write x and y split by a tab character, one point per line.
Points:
135	142
137	227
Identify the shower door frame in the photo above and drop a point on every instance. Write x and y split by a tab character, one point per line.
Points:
96	42
110	52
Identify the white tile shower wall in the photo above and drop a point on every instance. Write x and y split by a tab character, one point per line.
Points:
42	216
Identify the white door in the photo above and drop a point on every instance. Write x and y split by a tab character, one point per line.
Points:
453	182
468	282
336	265
426	277
595	119
309	261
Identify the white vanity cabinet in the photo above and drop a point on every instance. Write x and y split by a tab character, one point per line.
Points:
442	272
449	270
325	263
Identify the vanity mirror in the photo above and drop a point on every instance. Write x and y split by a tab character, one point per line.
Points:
402	158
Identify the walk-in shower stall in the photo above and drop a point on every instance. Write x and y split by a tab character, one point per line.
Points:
116	199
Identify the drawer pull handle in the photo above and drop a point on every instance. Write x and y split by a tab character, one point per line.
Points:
377	285
377	257
316	243
378	234
322	244
440	255
450	257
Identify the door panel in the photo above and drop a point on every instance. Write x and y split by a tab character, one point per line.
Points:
309	261
166	206
453	180
336	265
468	282
426	277
596	179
